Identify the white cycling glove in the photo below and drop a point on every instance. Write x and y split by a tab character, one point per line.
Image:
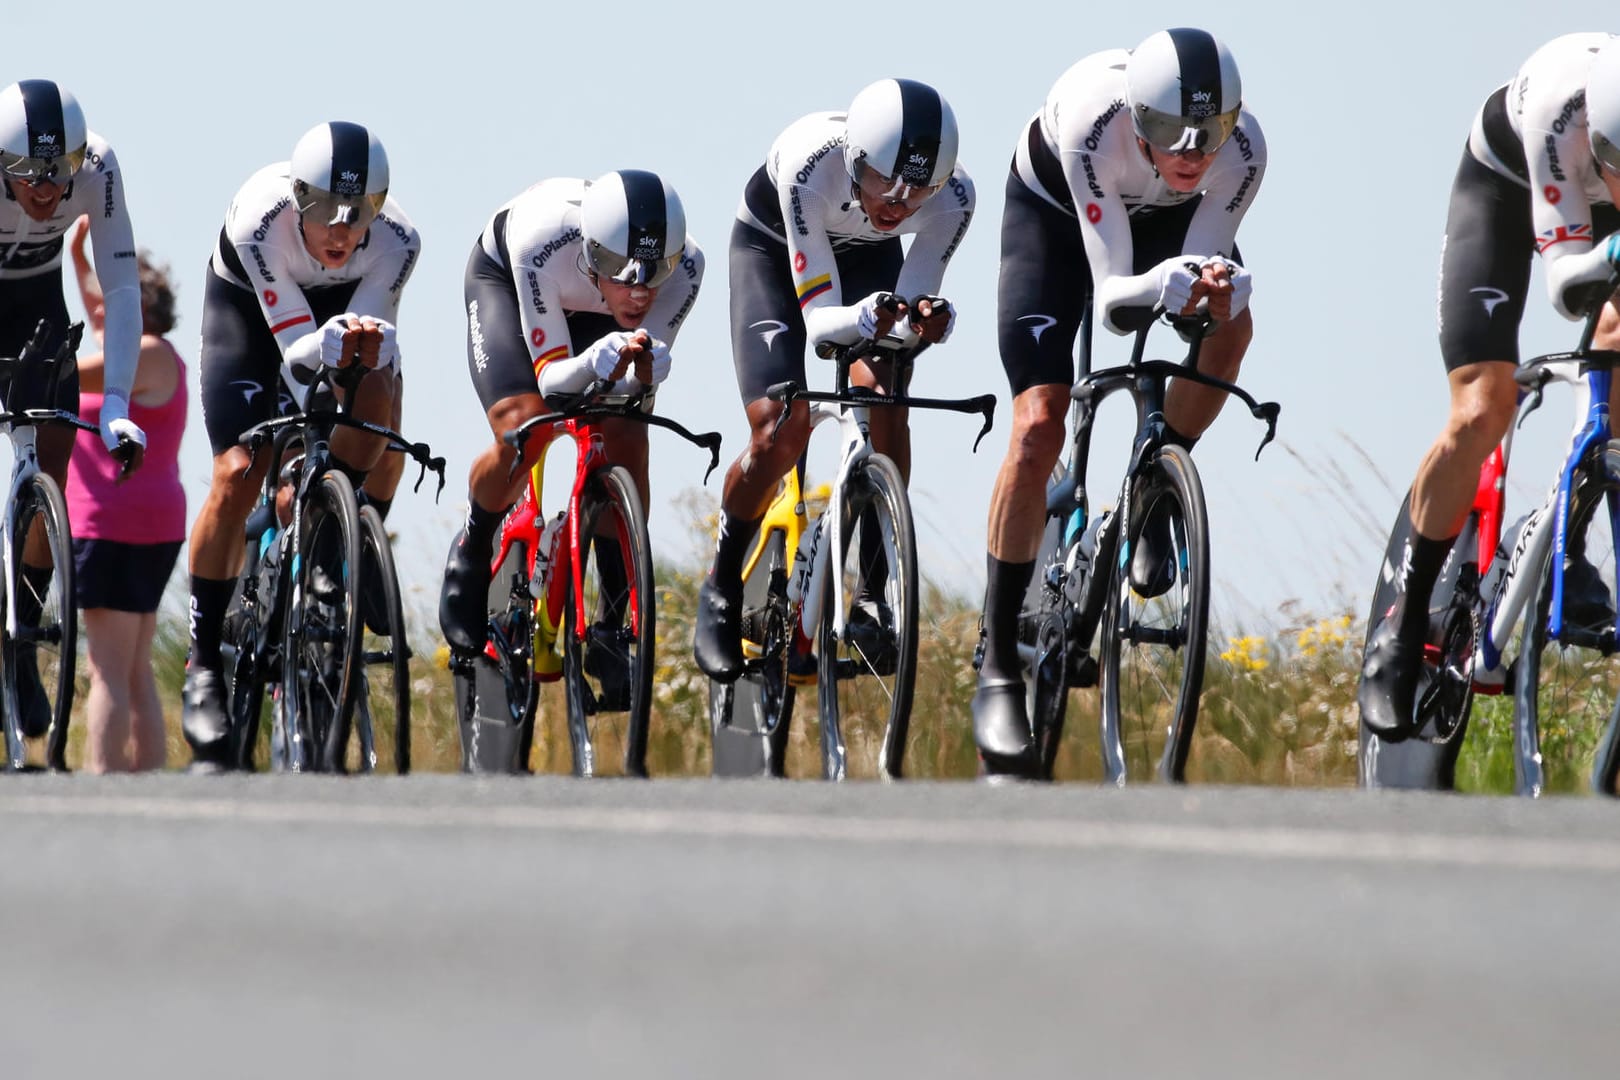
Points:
935	302
332	332
1242	281
660	361
867	319
116	426
388	352
602	355
1177	276
1568	273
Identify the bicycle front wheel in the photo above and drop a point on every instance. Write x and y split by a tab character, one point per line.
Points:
608	658
39	655
868	672
383	701
1563	681
1156	621
320	644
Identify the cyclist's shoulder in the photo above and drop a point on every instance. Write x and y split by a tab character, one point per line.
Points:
262	208
393	229
542	223
808	150
1548	92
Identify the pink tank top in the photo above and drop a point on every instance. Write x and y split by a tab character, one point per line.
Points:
149	507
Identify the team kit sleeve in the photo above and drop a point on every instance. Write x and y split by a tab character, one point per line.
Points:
1105	228
815	271
1232	184
946	217
383	284
677	296
540	310
112	238
1561	214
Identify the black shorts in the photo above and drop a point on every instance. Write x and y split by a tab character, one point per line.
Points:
767	327
23	303
122	577
240	365
497	354
1485	264
1045	284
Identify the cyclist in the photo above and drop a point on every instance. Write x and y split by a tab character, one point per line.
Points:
1126	191
54	169
816	254
308	271
1541	172
570	282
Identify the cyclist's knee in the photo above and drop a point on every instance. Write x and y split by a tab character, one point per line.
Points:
774	448
237	481
1038	428
1222	354
1483	400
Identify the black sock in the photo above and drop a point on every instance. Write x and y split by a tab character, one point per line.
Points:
382	506
731	547
357	477
1004	590
481	524
1176	438
1420	566
874	560
615	582
209	599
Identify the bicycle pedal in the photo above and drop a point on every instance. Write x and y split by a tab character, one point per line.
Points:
752	650
802	669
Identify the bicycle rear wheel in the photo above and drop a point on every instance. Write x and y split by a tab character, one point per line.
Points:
496	699
608	662
245	639
39	657
1564	681
1155	628
750	718
867	676
383	701
320	642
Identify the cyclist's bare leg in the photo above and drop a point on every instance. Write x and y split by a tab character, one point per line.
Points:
374	401
383	479
496	479
625	443
1018	501
216	535
890	427
1190	408
751	481
1483	397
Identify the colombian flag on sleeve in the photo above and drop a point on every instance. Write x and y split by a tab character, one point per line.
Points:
814	288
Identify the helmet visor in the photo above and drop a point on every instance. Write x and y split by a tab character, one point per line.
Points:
887	189
329	208
1184	134
1606	153
627	271
31	170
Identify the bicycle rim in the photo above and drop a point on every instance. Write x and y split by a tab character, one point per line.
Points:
1560	684
48	641
1153	646
383	700
320	643
243	642
496	701
867	678
608	668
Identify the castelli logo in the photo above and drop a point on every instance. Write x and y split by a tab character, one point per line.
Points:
270	298
1553	194
800	262
1093	213
538	337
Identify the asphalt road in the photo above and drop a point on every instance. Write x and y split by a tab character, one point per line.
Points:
245	927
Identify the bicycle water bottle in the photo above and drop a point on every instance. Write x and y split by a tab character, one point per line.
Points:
545	629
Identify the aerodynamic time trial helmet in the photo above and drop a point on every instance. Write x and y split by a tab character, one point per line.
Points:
900	141
1603	106
1183	89
339	174
634	227
42	132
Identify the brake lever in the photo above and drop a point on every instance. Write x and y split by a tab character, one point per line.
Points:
1267	411
784	392
1533	399
987	406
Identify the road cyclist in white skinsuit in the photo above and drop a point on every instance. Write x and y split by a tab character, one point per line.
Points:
1126	191
816	257
55	169
1540	175
308	271
570	282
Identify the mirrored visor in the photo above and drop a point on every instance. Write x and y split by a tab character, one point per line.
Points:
1184	134
627	271
888	189
31	170
328	208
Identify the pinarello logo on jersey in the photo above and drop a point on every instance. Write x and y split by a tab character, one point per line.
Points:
1554	196
270	298
538	337
800	262
1093	213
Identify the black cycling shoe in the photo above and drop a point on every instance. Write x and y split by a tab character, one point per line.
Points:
1389	678
203	718
869	631
1587	600
464	603
717	640
1152	571
33	707
608	663
1001	728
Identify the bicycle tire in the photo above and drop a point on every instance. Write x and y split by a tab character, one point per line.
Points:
1554	681
608	664
1153	647
320	639
244	639
385	653
497	700
54	637
758	707
1043	641
865	687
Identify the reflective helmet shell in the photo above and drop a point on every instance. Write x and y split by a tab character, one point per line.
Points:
339	173
634	227
42	131
1603	106
1184	75
903	130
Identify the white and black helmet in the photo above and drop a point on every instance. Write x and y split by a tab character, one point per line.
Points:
1603	106
634	227
42	132
900	141
1183	89
339	174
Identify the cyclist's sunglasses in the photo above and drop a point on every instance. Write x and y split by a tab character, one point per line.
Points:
892	190
627	271
32	170
329	208
1185	134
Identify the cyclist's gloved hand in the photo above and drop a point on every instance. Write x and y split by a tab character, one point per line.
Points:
1225	285
878	313
1177	277
122	437
607	356
379	344
932	318
659	367
1579	280
340	337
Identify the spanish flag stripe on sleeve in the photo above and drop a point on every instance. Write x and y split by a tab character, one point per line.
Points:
548	356
814	288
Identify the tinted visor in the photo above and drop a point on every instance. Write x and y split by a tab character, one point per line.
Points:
57	170
1184	134
627	271
1606	153
355	211
874	185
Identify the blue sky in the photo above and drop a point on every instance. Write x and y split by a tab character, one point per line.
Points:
1365	112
